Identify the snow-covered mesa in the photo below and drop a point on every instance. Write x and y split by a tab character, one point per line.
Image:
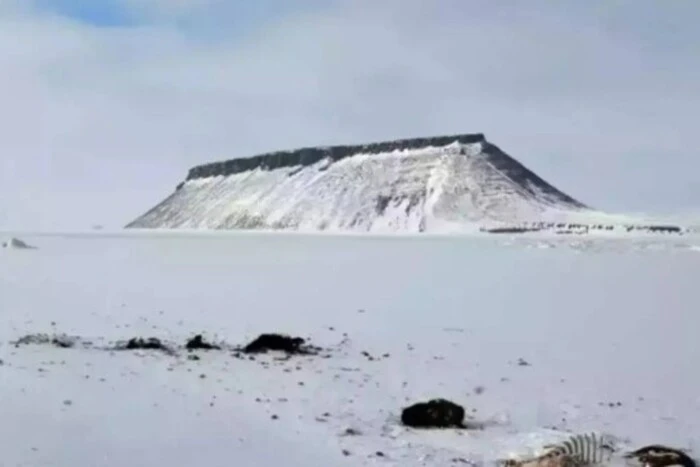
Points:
460	183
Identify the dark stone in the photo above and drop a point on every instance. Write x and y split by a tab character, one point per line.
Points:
198	343
657	455
436	413
279	342
63	342
139	343
152	343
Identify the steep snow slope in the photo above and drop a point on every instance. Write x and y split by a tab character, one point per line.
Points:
608	328
426	184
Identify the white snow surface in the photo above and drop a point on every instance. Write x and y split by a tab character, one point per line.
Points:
601	322
453	188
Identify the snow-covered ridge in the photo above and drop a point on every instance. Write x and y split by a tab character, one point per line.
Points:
442	184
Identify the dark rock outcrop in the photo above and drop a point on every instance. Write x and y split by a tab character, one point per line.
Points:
281	343
150	343
198	343
435	413
657	455
140	343
311	155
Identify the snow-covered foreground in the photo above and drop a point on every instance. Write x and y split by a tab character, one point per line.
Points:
608	328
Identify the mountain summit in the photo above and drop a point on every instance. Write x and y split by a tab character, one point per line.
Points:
446	183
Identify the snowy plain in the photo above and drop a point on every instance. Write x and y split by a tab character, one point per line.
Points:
607	326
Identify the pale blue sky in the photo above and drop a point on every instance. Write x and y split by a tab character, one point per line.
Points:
107	103
196	17
99	13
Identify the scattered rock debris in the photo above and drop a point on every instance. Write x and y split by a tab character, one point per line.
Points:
436	413
58	340
610	404
198	343
282	343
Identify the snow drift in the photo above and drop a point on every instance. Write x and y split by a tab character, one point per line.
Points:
446	183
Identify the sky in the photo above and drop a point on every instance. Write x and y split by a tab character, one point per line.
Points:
106	105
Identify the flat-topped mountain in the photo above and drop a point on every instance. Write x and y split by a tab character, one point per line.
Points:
439	184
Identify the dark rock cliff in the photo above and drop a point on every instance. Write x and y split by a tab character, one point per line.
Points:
312	155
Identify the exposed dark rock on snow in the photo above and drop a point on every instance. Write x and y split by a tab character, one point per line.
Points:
657	455
510	230
311	155
436	413
282	343
17	244
578	228
198	343
140	343
58	340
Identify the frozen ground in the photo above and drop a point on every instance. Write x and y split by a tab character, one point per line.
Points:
609	328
